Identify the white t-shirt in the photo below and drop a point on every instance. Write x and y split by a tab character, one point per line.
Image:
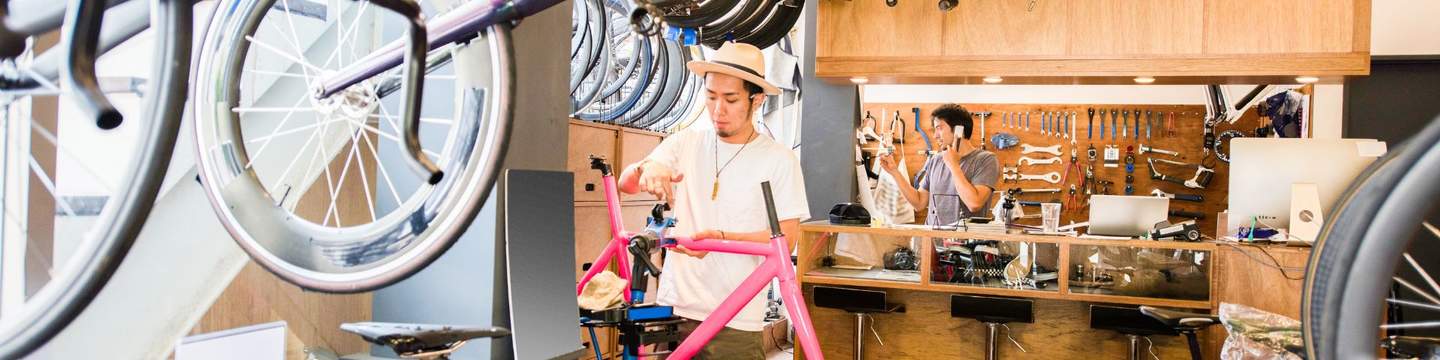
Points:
695	287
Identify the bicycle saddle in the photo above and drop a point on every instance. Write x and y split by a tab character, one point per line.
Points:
1180	319
417	340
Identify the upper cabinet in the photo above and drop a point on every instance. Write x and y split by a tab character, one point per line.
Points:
1093	41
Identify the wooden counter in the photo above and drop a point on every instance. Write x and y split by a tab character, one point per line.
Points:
1243	274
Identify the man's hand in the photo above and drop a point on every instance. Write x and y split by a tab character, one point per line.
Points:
958	150
693	253
887	163
658	179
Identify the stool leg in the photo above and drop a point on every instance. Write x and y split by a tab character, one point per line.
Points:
1134	346
859	336
992	341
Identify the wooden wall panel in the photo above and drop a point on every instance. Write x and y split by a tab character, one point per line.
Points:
312	319
1281	26
870	28
1187	140
1118	27
635	145
587	139
1000	28
926	331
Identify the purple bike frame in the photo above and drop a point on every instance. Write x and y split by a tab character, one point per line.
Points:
777	265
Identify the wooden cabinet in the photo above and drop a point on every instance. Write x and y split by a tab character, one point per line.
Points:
1099	41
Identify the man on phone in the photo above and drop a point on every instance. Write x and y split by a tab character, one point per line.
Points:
960	179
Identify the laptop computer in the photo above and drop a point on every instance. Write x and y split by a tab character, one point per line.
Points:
1116	215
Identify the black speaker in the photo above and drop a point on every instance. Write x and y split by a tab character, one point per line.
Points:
992	309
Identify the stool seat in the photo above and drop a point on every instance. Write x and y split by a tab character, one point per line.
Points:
855	300
1128	321
1180	319
992	309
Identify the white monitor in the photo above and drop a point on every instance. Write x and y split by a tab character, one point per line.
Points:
1262	171
256	342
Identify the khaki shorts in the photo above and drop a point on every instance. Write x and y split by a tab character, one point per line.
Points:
729	343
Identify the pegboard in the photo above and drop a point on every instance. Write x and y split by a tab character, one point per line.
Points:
1187	138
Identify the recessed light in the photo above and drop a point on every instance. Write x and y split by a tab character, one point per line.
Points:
993	79
1306	79
859	80
1144	79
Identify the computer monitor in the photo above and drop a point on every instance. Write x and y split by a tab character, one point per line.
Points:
1262	171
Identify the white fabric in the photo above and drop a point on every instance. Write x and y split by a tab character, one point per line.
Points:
695	287
890	203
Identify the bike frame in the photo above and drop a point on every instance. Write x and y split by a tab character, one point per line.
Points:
776	266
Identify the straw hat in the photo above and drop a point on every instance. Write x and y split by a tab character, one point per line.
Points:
740	60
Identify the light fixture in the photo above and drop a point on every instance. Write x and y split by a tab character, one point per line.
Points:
1306	79
947	5
993	79
859	80
1144	79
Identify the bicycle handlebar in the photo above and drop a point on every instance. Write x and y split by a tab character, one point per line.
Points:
770	210
79	74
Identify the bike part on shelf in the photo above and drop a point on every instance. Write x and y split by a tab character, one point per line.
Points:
902	258
1222	144
1030	149
1144	149
1200	180
849	214
1184	231
1004	141
1026	161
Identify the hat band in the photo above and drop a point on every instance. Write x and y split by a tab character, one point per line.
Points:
739	67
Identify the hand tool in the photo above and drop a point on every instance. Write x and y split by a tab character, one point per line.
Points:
1090	130
1187	214
1112	155
1058	124
1010	173
1114	115
1183	197
1199	181
1090	153
1044	122
1125	126
1072	128
921	130
1149	123
1065	130
1102	124
1027	161
1050	177
1170	126
982	115
1144	149
1052	149
1137	124
1027	121
1040	191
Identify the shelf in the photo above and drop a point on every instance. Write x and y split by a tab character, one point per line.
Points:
821	226
873	274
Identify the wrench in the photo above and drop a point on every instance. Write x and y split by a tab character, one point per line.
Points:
982	115
1090	130
1065	129
1182	197
1137	123
1044	122
1125	126
1027	121
1069	123
1052	149
1051	177
1026	160
1102	124
1144	149
1040	191
1149	123
1114	116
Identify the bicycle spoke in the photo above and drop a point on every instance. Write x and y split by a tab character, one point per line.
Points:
423	120
1415	325
294	44
364	175
49	186
389	182
244	109
276	73
343	33
295	39
1423	273
281	180
396	139
1413	304
273	133
50	136
282	54
1417	290
344	171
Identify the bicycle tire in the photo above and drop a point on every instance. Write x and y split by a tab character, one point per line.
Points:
353	258
1357	252
52	308
776	27
700	15
665	89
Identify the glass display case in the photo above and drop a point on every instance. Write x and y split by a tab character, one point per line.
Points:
995	264
866	256
1178	274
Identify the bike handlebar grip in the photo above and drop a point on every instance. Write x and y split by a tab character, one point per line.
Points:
770	210
84	40
1190	197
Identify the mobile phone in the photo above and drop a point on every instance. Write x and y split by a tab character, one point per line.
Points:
959	132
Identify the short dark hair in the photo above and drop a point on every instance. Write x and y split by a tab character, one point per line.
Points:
955	115
751	88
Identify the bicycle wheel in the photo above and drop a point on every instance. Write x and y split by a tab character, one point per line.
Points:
74	197
1356	258
316	190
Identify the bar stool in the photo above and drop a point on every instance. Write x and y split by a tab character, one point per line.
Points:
855	301
1130	322
994	312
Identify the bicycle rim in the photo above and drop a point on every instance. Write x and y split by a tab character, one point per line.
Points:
382	223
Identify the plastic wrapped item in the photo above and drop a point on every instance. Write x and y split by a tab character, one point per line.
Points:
1257	334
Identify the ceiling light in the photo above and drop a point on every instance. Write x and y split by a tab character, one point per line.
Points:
859	80
1144	79
1306	79
993	79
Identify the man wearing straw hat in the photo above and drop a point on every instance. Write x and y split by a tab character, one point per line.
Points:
711	176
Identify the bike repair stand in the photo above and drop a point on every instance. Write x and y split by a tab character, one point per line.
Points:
862	303
639	325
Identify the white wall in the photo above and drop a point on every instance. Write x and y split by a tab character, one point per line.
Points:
1404	27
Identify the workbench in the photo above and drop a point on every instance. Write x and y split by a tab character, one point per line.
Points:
1061	328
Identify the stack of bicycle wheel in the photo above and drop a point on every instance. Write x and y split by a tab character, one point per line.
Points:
624	72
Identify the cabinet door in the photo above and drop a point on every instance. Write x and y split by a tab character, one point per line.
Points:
587	140
635	146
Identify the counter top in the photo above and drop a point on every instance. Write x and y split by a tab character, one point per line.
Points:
824	226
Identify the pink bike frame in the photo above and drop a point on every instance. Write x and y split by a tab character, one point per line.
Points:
777	265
